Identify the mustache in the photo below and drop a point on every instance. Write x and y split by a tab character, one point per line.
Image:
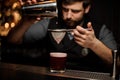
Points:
70	23
68	20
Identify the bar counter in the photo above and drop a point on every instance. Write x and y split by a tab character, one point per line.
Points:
10	71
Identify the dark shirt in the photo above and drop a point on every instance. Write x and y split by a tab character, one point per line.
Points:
77	59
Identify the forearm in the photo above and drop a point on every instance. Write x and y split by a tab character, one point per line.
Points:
102	51
16	34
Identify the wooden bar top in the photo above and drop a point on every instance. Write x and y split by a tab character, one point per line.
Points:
10	71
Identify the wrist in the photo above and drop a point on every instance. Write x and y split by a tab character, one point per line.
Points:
94	44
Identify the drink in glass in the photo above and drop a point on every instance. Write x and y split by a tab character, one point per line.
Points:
57	61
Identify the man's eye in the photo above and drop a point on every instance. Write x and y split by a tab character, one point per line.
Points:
64	9
75	11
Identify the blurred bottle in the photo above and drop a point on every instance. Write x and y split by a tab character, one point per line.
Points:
41	9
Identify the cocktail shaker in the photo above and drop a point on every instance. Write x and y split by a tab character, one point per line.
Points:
41	9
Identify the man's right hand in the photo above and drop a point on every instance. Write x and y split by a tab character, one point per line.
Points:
27	2
30	2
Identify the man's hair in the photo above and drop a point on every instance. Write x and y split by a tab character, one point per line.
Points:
86	3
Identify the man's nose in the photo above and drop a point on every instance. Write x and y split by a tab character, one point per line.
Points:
69	14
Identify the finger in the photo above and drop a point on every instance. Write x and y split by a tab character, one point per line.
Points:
79	41
78	35
89	25
81	30
34	1
39	18
21	2
29	2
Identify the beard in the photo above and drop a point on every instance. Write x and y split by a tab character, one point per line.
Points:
71	23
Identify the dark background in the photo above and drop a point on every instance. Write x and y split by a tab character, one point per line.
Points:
108	12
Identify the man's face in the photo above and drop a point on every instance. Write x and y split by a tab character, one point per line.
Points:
73	14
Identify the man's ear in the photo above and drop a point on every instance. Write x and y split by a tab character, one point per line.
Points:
87	9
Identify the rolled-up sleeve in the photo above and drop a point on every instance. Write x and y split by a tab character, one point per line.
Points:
36	31
107	37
